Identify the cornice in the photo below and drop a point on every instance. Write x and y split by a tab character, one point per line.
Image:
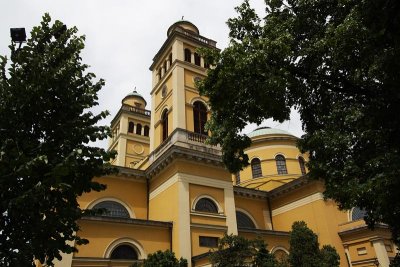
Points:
130	221
250	193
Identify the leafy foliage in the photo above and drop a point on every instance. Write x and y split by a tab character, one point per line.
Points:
337	62
304	249
45	159
165	259
235	251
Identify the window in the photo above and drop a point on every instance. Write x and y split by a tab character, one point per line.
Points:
130	127
112	209
138	128
357	214
146	130
199	117
302	165
206	65
208	241
188	55
256	168
165	66
281	164
170	59
124	252
237	177
206	205
164	91
196	59
244	221
164	125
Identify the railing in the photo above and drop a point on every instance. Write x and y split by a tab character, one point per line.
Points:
201	138
197	37
136	110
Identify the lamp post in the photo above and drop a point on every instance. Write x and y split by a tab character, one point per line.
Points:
18	35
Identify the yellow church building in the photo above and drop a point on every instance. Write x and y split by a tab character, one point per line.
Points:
173	192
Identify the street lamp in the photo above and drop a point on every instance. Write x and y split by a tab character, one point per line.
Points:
18	35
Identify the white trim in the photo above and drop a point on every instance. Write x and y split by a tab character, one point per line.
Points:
97	201
194	203
276	248
249	215
230	210
197	98
184	243
249	150
298	203
192	179
165	107
281	154
126	241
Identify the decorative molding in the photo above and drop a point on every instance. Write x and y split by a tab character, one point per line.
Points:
298	203
209	226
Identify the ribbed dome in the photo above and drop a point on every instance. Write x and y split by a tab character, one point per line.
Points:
135	94
266	131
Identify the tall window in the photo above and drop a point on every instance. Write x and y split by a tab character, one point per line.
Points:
206	205
112	209
244	221
302	165
281	164
188	55
138	128
237	177
164	124
256	168
199	117
146	130
130	127
197	59
124	252
170	59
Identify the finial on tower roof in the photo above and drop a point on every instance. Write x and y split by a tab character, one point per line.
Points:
182	18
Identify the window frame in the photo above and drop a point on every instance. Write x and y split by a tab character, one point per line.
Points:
256	170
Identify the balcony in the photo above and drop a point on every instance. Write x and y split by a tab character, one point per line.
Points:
189	140
136	110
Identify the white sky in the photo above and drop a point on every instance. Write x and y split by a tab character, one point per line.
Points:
122	37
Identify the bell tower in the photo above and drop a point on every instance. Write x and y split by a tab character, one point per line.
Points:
176	103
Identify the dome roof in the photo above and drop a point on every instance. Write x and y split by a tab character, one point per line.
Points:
184	24
135	94
268	131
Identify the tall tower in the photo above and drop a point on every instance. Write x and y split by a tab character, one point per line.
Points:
130	131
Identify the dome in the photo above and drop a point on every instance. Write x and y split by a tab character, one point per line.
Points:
134	95
185	25
267	131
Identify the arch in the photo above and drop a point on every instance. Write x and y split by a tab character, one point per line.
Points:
188	55
276	248
164	125
245	220
138	129
199	117
112	199
131	125
206	200
199	99
281	164
256	168
302	165
135	245
280	253
357	214
146	130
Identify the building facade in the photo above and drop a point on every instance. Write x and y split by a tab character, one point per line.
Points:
173	192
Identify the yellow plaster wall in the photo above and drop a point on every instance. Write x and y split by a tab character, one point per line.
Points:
159	100
137	148
135	101
102	234
255	208
198	190
270	239
208	220
129	191
200	169
196	233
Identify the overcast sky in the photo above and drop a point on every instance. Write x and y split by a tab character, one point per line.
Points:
122	37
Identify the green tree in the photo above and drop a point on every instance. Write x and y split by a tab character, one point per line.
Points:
46	161
338	64
304	249
237	251
165	259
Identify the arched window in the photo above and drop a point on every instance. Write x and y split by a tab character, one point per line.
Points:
146	130
206	205
256	168
164	125
124	252
244	221
237	177
199	117
112	209
197	59
302	165
138	128
130	127
357	214
188	55
281	164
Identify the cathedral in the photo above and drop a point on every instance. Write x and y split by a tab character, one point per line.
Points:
173	192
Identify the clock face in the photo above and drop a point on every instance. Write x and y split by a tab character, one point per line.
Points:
197	79
138	149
